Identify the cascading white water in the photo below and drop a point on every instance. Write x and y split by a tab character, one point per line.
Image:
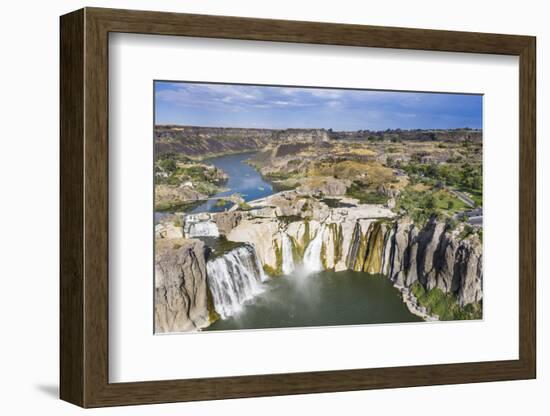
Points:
312	256
200	225
203	229
288	257
234	278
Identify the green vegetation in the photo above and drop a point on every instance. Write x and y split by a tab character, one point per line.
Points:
278	271
177	221
174	169
465	177
338	238
220	203
365	195
444	305
298	248
270	270
279	175
178	206
419	205
422	203
284	185
218	246
468	230
168	165
243	206
213	316
476	195
451	224
446	201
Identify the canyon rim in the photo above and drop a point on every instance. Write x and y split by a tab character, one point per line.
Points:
281	207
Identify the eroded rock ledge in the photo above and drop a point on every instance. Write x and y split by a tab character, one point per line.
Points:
366	238
360	237
181	292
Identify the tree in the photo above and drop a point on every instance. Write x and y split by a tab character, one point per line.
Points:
168	165
430	202
432	171
476	182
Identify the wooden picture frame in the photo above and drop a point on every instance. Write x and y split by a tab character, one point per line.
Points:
84	207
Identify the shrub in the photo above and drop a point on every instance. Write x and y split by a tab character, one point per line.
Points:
243	206
466	232
364	195
167	165
450	224
444	305
418	290
220	203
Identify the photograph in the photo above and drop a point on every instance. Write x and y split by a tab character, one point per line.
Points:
282	206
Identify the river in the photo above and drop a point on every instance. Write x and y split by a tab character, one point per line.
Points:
243	179
321	299
301	298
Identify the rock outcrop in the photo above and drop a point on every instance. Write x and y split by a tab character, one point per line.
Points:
326	186
194	287
181	292
200	141
366	238
172	195
226	221
436	258
168	230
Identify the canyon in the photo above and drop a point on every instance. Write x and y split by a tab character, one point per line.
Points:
251	225
200	285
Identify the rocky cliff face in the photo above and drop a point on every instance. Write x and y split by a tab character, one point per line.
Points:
167	196
365	238
288	228
200	141
432	255
181	293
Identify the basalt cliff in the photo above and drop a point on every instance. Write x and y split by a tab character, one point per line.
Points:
196	141
196	285
181	292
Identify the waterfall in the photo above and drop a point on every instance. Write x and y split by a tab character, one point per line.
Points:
203	229
287	255
312	256
200	225
234	278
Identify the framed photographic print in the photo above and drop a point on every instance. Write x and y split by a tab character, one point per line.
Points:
257	207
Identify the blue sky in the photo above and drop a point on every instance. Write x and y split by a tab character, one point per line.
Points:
226	105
